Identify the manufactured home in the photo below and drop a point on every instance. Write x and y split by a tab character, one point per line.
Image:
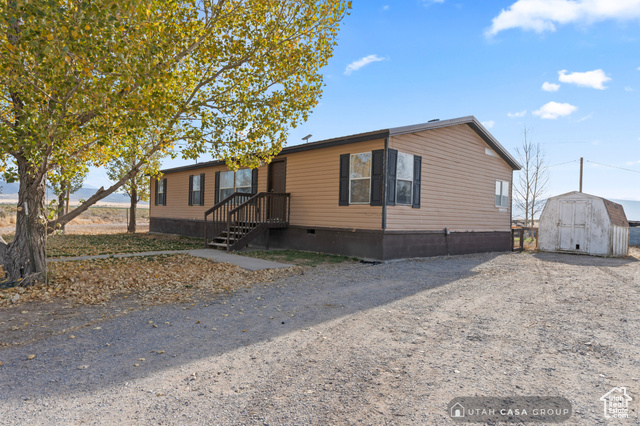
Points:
442	187
576	222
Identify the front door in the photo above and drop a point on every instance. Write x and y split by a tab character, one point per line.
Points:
277	176
277	182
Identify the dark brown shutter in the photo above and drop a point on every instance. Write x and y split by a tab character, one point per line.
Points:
202	189
377	177
156	193
254	181
417	177
392	165
164	193
343	196
190	190
216	196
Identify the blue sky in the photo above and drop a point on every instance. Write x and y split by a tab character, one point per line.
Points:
406	62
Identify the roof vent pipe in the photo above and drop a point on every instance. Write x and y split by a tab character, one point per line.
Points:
435	119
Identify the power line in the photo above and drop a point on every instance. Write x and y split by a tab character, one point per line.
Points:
615	167
572	161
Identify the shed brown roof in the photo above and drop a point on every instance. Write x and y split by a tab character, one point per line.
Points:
616	214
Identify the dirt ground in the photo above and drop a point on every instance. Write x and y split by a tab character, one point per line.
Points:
351	343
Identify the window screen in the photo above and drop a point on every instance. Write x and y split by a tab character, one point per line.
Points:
360	178
502	193
404	178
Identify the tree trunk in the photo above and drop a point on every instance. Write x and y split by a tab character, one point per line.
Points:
63	204
25	257
132	211
66	204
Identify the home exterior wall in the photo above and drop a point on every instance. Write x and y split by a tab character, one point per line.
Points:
178	193
313	179
458	183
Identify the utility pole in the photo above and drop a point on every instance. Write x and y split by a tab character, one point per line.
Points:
581	162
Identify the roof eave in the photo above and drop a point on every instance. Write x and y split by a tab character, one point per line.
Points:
472	122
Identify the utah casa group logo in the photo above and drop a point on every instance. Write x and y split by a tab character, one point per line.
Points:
520	409
616	403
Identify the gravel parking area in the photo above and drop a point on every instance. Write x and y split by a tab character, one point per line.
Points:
352	343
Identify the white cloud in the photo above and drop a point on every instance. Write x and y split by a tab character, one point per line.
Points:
517	114
632	163
356	65
593	79
553	110
489	124
628	89
586	117
385	7
544	15
550	87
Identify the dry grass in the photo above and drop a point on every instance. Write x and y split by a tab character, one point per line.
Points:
147	280
88	245
94	215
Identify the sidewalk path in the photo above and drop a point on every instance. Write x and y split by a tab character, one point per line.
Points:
248	263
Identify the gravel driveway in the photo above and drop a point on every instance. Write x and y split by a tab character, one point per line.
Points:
354	343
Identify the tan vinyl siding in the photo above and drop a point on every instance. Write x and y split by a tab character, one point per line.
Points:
313	179
458	183
178	194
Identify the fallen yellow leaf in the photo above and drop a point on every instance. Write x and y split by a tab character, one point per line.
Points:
32	356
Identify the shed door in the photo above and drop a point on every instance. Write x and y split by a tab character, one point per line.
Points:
573	226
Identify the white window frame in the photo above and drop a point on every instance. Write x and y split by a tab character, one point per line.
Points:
370	154
221	188
194	190
235	182
405	180
162	196
502	190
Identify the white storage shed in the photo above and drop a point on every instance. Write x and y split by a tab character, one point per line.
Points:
581	223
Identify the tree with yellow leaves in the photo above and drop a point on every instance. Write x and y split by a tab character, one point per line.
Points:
79	79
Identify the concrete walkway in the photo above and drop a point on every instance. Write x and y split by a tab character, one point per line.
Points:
248	263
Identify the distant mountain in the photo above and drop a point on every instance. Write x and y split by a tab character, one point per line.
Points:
9	194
